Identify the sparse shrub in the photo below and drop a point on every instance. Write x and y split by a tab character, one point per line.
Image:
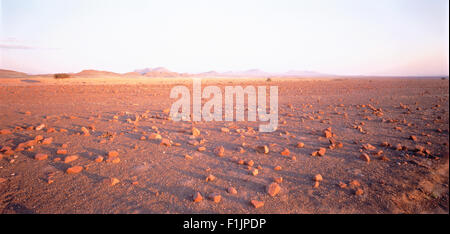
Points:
269	79
61	76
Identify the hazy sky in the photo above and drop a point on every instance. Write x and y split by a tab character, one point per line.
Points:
383	37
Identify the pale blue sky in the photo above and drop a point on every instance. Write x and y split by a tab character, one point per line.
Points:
383	37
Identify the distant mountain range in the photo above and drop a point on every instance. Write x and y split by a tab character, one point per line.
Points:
164	72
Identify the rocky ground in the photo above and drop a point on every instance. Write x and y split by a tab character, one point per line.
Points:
342	146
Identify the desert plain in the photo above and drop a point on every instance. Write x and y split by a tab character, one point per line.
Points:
343	145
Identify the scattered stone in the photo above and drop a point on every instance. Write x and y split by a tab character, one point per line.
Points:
38	138
278	180
188	157
232	190
277	168
241	150
61	151
257	204
316	184
99	159
74	170
215	197
71	158
365	157
318	178
40	127
321	151
166	142
384	158
112	154
369	147
327	133
113	181
273	189
355	183
210	177
197	197
342	185
85	131
114	160
5	132
254	172
300	145
47	141
195	132
154	136
201	148
413	138
285	152
359	192
250	163
262	149
220	151
40	156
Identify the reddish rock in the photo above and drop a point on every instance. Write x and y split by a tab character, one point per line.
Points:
47	141
278	180
154	136
321	151
166	142
85	131
359	192
99	159
285	152
112	181
232	190
215	197
5	132
38	138
365	157
318	177
40	127
197	197
112	154
201	149
40	156
273	189
220	151
195	132
262	149
257	204
70	158
255	172
74	170
355	183
210	177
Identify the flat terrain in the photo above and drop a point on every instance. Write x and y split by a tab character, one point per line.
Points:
402	125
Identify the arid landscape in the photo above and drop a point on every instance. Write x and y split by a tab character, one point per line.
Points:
108	145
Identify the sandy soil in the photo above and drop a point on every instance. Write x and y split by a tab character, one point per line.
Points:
155	178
